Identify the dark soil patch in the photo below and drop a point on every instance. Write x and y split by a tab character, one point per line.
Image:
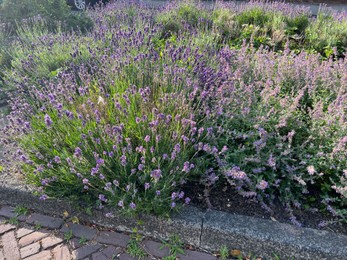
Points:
224	198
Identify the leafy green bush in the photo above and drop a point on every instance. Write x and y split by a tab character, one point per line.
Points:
225	24
38	54
326	33
55	12
185	13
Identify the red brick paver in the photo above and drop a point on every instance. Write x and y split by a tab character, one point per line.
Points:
23	241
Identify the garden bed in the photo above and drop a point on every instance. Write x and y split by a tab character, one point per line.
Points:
124	116
223	198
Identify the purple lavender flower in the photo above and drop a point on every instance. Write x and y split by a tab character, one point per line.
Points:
102	198
69	114
57	159
78	152
187	200
100	162
43	197
94	171
185	139
147	186
262	185
132	205
140	167
85	181
147	138
186	167
271	161
177	148
157	192
48	120
181	195
156	174
123	160
140	149
121	204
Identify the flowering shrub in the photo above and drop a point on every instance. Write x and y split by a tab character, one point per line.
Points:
125	114
122	133
284	126
270	24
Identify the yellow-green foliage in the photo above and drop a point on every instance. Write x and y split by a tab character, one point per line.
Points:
326	32
185	13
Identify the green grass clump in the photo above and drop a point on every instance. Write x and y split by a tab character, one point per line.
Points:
326	33
186	13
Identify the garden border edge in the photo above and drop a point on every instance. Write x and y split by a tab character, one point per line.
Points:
208	230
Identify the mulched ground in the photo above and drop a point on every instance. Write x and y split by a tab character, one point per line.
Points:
224	198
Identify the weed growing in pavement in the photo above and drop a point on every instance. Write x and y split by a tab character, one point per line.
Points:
82	240
37	226
135	249
68	235
224	252
174	244
20	210
13	221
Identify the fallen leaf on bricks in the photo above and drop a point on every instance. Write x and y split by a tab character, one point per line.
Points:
235	252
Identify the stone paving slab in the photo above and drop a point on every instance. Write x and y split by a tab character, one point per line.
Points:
45	221
26	241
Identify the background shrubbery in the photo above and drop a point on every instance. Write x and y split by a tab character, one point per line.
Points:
56	13
125	114
27	23
270	24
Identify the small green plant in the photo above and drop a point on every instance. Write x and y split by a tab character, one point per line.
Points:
88	211
276	257
68	236
224	252
175	245
170	257
37	226
135	249
20	210
83	240
13	221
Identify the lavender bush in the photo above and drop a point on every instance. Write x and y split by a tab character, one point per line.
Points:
125	128
127	113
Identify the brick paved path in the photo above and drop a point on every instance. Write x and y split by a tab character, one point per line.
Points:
40	237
